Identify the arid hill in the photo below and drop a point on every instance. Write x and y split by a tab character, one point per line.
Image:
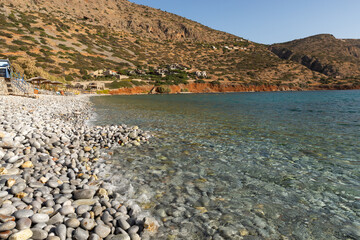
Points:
72	38
337	58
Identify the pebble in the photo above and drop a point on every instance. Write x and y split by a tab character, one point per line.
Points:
102	230
66	210
24	213
123	224
60	231
5	218
88	223
7	226
81	234
39	233
39	218
52	167
83	194
23	223
5	234
22	235
72	222
80	210
56	219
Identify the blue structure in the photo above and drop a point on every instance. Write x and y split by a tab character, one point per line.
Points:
14	82
5	68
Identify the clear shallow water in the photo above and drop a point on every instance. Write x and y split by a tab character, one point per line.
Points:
281	165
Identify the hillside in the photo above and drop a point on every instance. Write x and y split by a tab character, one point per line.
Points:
336	58
71	42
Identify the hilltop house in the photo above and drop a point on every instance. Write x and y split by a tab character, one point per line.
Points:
176	66
162	72
110	73
98	73
104	73
201	74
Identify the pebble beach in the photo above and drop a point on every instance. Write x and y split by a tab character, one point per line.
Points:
55	180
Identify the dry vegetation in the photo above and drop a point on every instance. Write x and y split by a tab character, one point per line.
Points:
69	48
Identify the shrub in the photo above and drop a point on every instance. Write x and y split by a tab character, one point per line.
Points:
215	83
106	91
200	81
8	35
137	83
69	78
119	84
163	89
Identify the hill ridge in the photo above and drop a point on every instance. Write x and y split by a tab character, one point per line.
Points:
72	38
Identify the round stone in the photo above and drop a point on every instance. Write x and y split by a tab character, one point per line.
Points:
83	194
22	235
39	234
24	213
23	223
40	218
60	231
72	222
56	219
123	224
102	192
17	188
97	210
10	182
81	234
7	226
80	210
4	218
65	210
87	149
5	234
27	164
94	237
102	230
52	184
88	223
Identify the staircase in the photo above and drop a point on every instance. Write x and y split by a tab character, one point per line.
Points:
9	86
12	83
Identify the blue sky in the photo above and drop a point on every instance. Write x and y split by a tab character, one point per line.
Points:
269	21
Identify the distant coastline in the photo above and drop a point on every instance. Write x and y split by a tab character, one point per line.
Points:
220	88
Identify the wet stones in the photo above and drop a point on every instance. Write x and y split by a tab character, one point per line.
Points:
83	194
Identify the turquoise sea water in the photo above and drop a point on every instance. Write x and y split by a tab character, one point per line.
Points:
281	165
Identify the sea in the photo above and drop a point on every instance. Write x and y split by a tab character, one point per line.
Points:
264	165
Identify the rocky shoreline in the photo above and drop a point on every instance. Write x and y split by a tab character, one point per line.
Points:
54	177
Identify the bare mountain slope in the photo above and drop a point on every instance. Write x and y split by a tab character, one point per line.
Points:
339	58
124	16
71	38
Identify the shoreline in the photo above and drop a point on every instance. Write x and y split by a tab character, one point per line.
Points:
54	174
199	88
